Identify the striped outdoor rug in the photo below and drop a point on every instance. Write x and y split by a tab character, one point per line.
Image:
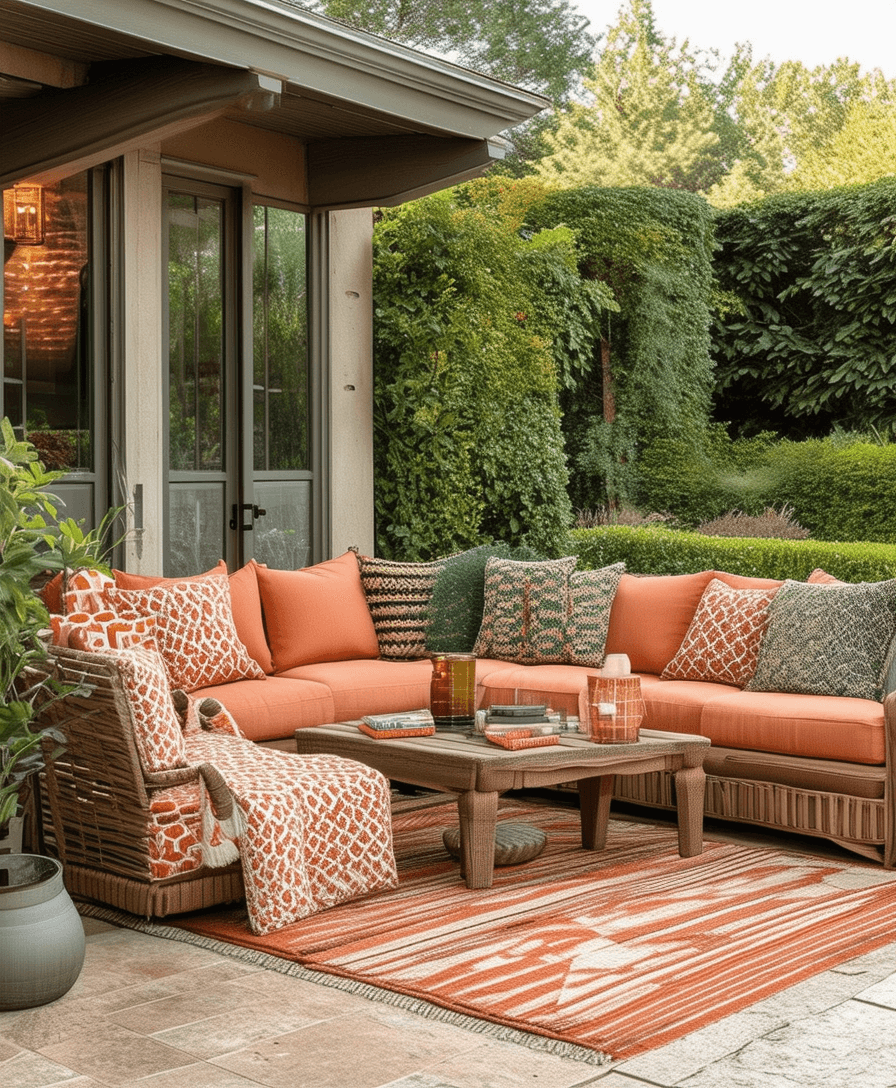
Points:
617	952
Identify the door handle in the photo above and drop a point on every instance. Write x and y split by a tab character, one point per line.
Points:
236	515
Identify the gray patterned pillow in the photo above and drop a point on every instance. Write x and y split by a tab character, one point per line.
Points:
828	640
591	599
526	609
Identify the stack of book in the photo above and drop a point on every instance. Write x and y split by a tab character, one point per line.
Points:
407	723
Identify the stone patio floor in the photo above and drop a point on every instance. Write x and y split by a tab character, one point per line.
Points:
162	1014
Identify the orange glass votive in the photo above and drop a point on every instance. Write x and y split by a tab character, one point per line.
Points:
452	691
623	693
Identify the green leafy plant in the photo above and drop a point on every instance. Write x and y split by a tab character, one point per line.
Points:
33	540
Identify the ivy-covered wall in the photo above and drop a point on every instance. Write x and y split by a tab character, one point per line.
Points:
806	338
468	357
653	248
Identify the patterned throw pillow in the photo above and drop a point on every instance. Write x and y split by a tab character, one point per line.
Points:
722	642
591	600
398	598
84	591
195	632
103	631
828	640
526	610
157	732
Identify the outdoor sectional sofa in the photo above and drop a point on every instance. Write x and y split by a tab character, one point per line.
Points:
347	637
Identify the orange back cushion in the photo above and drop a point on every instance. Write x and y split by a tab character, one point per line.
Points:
244	600
317	614
651	615
742	581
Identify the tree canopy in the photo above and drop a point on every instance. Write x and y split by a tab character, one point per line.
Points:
542	45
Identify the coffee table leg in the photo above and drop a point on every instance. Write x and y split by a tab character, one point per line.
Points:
690	787
478	819
595	795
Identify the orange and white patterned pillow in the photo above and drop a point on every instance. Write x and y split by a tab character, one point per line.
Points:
721	644
84	591
157	732
102	631
194	630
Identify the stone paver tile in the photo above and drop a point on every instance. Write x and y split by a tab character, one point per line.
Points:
113	1055
498	1064
851	1045
243	1022
669	1064
881	993
200	1075
363	1053
30	1070
318	1001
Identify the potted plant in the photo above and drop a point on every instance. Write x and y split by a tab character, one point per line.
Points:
41	937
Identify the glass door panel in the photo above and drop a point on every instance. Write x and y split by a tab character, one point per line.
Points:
281	459
201	365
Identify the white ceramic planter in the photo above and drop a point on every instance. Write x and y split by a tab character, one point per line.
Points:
41	935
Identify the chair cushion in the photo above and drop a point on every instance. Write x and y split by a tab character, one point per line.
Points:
722	641
370	686
651	615
273	708
526	610
828	640
317	613
195	631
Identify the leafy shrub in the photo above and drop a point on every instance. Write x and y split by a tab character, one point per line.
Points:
468	446
664	551
809	340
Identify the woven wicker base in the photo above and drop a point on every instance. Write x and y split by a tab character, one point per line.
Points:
514	843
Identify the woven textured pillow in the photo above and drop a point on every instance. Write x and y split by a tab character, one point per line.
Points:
157	731
591	601
526	610
828	640
103	631
398	597
722	642
194	631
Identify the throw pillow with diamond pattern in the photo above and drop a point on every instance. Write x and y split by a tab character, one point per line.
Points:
194	630
527	605
828	640
722	642
591	600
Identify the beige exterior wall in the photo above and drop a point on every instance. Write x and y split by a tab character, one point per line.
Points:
351	381
274	162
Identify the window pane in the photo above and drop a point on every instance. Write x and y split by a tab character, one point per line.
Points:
196	528
47	370
280	341
196	332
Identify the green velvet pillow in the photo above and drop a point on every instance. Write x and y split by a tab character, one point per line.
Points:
591	600
527	606
828	640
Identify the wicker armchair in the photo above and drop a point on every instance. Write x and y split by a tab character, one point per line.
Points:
96	801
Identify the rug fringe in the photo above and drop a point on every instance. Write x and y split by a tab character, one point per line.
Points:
555	1047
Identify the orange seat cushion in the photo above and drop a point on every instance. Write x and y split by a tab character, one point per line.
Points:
317	614
273	708
650	616
818	726
368	686
676	706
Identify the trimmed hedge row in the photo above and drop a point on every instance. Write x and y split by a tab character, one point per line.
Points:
665	551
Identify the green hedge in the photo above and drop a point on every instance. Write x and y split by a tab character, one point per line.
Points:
665	551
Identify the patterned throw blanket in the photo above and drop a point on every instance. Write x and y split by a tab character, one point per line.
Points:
311	831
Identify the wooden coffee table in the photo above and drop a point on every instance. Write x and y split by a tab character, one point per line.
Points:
479	772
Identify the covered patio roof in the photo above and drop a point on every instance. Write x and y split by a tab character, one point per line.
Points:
381	122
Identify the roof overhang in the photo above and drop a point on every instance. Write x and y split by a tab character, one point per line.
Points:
368	110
